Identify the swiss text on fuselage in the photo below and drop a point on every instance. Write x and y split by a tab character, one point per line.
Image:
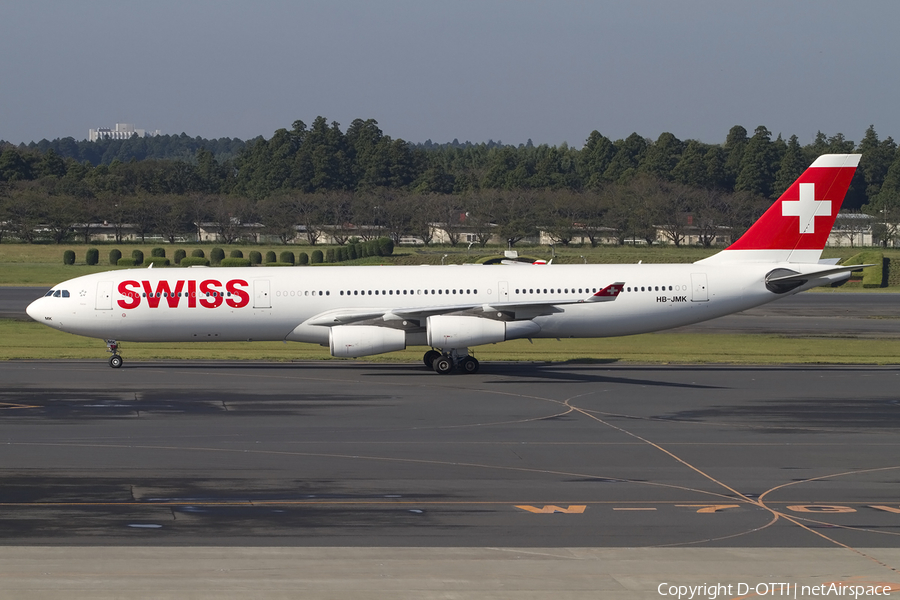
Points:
208	293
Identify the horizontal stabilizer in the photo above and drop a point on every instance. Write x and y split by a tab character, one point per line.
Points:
817	274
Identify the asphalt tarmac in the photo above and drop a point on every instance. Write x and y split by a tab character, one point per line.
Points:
231	453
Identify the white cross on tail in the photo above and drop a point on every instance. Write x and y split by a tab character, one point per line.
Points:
807	208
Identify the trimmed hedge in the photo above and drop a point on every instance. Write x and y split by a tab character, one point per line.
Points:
233	261
158	253
69	257
316	257
92	256
330	255
114	256
270	257
255	257
279	264
179	255
198	253
125	262
158	261
137	256
194	261
216	255
286	257
303	258
874	276
236	254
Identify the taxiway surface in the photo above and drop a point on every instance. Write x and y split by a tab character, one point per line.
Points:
341	454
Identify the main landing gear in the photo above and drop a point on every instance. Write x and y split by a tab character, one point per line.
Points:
115	361
449	360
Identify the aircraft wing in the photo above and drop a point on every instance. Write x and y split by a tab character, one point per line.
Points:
414	317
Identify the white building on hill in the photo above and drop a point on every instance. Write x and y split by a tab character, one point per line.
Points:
123	131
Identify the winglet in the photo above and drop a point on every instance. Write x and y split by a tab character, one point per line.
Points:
609	293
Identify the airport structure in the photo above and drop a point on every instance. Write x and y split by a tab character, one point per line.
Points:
122	131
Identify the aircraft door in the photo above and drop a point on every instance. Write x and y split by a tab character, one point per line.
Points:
261	295
700	293
503	291
104	295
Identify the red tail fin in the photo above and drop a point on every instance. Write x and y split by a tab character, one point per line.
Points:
797	225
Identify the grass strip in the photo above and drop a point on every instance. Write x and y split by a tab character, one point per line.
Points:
24	340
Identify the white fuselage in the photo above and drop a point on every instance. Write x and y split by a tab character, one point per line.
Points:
276	303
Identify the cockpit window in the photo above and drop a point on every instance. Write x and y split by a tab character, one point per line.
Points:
57	294
49	293
65	293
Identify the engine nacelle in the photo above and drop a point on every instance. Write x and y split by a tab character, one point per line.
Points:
352	341
450	331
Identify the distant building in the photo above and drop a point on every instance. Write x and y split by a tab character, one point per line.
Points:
123	131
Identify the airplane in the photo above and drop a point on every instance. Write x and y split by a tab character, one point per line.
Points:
366	310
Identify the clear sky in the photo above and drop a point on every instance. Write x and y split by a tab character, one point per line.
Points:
443	69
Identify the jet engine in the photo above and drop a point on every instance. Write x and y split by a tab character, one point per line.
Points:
351	341
450	331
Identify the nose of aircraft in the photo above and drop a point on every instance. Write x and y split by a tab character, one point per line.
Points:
33	310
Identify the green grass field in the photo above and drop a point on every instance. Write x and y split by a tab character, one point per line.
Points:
24	340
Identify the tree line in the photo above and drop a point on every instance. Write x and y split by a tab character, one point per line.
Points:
323	178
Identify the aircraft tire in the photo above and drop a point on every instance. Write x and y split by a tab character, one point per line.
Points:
115	361
443	365
430	357
469	365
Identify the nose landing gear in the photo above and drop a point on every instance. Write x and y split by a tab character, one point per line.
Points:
115	361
